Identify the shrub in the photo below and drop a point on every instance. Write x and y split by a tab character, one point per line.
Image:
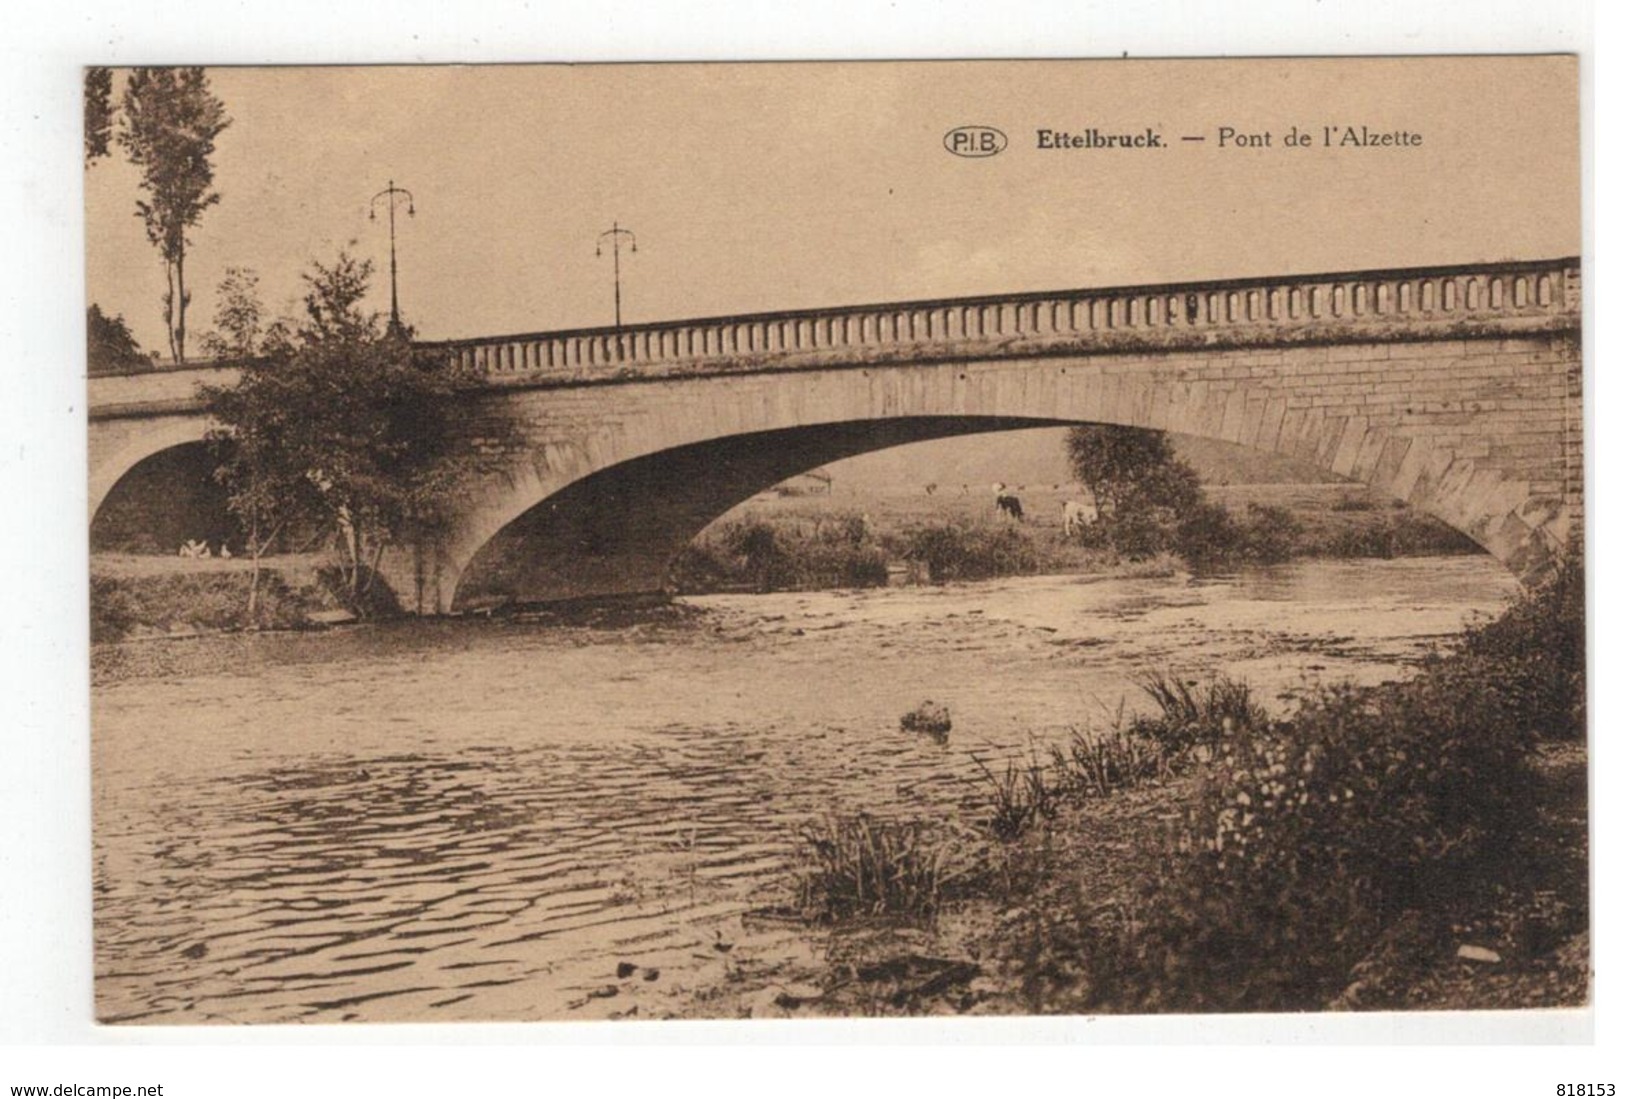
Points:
1268	534
1416	534
1309	842
1375	539
768	557
1403	534
1537	648
840	565
702	566
1207	534
955	551
764	559
1144	531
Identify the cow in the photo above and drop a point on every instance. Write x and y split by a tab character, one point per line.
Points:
1076	515
1007	503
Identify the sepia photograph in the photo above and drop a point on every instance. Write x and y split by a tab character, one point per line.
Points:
835	540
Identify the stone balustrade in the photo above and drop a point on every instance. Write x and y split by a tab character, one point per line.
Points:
1177	315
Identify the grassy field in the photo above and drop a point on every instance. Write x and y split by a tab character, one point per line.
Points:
1338	519
894	510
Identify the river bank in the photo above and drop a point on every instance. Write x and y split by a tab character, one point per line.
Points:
1417	845
871	539
145	597
1025	951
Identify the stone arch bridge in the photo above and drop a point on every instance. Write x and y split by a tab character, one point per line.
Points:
1454	389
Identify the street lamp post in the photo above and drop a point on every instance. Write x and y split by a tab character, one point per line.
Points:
391	196
615	233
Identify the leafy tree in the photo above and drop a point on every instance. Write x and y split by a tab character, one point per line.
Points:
169	125
240	329
98	112
344	427
110	347
1142	488
1124	463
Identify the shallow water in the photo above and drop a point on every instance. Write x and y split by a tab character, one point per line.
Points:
438	821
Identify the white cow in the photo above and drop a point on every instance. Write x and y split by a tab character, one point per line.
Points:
1075	515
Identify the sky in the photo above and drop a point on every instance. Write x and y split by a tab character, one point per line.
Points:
773	186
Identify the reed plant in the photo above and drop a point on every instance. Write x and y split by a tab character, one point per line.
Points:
1020	796
859	866
1097	764
1193	714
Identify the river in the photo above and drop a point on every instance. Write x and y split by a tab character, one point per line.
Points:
521	819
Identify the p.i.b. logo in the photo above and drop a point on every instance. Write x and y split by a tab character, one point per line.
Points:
975	141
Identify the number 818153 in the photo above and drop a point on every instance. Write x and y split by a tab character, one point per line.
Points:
1585	1091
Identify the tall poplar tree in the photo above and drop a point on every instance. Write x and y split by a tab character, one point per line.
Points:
168	127
98	111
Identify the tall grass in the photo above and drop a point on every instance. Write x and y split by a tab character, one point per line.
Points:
856	867
865	867
1018	797
1099	764
1195	714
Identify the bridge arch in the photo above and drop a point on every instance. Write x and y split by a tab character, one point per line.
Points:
168	497
603	510
125	444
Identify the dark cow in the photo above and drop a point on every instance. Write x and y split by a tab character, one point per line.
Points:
1010	504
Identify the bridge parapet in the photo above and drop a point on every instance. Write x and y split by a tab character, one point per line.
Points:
1371	305
155	391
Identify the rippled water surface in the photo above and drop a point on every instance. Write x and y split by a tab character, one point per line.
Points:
440	821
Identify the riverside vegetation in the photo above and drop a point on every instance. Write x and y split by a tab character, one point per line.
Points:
1420	844
803	545
1152	506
